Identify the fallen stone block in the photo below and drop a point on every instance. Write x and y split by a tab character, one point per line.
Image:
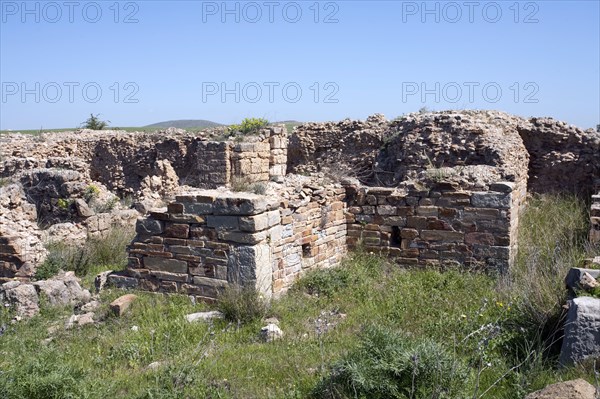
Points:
582	331
204	316
120	305
22	296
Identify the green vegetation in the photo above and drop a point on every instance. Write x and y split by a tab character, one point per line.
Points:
242	305
86	260
91	192
243	184
63	203
553	237
94	123
249	126
370	329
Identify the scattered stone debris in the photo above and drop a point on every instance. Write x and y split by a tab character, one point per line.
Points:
574	389
271	332
63	289
79	320
204	316
154	365
327	321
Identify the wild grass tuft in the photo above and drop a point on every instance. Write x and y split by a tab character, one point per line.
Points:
94	255
242	304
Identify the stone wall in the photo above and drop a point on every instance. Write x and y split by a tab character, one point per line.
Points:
441	226
563	158
145	164
21	247
201	243
208	240
313	234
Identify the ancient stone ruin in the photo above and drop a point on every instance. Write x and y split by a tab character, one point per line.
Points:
441	189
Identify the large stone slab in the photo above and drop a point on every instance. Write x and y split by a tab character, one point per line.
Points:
582	331
166	264
250	265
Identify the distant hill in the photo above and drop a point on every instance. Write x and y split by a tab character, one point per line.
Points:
185	124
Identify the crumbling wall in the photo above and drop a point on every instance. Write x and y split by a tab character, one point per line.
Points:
419	144
345	148
21	247
563	158
202	242
144	164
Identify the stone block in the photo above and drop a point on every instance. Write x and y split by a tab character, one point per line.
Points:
409	234
182	278
243	238
210	282
165	264
149	226
250	265
487	199
223	222
198	208
479	238
255	223
175	207
442	235
503	187
120	305
428	211
582	335
242	205
177	230
575	275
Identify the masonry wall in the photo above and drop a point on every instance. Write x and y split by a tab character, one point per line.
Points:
442	226
313	235
206	241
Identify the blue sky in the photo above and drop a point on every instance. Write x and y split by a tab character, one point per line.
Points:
141	62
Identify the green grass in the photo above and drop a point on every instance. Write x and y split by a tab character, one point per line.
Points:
341	327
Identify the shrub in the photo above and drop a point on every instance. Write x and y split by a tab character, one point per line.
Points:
91	192
249	126
242	304
387	364
95	253
94	123
243	184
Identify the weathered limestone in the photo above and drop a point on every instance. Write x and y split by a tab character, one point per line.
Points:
63	289
582	330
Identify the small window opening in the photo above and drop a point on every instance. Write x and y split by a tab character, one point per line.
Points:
306	250
395	239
